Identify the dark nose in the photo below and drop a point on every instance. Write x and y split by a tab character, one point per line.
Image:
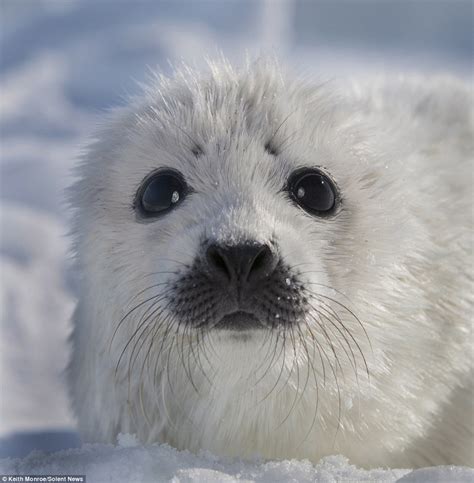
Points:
243	263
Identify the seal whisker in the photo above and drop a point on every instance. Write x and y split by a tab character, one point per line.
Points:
283	361
148	322
328	316
272	348
136	307
294	364
143	320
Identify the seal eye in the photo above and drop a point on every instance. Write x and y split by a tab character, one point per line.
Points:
161	192
313	191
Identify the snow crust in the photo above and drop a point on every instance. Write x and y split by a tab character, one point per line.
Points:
129	462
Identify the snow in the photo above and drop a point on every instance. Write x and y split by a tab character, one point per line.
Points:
62	64
129	462
439	474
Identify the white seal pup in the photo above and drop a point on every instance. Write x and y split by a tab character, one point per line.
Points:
279	269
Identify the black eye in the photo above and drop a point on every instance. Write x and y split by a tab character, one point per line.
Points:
161	192
313	191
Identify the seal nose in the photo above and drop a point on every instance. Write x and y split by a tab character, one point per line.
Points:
248	262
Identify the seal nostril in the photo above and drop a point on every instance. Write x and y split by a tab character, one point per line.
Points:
241	263
218	262
259	261
262	264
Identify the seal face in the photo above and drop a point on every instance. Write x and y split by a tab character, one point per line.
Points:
239	286
278	269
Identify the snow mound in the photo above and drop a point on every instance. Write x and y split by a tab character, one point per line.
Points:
130	462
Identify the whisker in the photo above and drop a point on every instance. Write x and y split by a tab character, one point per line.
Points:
327	316
285	120
281	370
328	307
313	421
295	363
140	325
136	307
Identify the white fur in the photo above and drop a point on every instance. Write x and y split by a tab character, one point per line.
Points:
398	256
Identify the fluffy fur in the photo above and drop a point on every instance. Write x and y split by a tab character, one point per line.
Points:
380	370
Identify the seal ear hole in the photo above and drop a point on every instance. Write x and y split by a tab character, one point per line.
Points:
271	149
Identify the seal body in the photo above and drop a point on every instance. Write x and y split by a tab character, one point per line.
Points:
349	333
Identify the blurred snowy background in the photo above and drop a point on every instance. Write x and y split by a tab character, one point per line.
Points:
63	62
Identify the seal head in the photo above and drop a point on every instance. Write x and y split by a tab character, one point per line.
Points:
277	268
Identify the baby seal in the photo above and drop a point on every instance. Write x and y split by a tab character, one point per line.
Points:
275	268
